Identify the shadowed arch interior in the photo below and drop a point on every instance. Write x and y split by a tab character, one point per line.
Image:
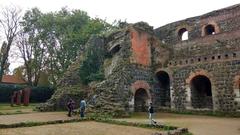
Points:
163	88
141	100
201	91
210	30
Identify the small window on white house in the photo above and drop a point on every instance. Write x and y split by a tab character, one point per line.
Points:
183	34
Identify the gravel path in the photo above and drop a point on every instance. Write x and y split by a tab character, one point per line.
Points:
80	128
198	125
34	117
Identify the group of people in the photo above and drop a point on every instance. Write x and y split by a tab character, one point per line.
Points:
71	103
70	107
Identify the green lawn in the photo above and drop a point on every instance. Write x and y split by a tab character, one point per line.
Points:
6	108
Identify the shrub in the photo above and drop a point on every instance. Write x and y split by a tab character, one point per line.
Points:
38	94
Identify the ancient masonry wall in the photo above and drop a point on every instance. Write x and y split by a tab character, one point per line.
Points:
213	55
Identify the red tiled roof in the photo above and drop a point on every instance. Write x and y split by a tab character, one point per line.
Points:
12	79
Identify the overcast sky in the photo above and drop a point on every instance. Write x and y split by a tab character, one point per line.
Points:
154	12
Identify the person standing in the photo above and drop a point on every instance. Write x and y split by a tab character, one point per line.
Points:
82	108
151	111
70	107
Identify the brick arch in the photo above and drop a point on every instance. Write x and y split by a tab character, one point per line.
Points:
214	24
170	75
199	72
188	86
140	84
180	27
167	71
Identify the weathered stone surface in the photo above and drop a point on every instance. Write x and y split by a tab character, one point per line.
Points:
168	68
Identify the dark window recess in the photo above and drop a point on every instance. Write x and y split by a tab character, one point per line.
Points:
226	55
183	34
210	30
205	58
199	59
115	49
234	55
180	62
219	56
186	61
213	57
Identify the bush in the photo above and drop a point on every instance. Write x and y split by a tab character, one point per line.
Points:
6	91
38	94
41	94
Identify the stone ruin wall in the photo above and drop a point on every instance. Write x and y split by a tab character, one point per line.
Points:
157	66
215	56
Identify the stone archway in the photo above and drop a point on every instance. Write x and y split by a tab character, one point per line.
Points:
163	89
201	91
141	96
141	100
236	91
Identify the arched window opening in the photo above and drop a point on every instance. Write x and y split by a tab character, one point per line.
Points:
210	30
115	49
163	89
183	34
201	91
141	100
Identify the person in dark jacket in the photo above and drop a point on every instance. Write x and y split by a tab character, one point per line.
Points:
70	107
151	111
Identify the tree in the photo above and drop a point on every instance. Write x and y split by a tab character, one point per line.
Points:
31	46
50	42
43	80
10	25
19	72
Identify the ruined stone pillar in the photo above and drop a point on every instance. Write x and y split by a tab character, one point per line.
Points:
26	96
18	97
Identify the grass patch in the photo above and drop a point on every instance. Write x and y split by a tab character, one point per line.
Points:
7	106
103	120
203	112
7	109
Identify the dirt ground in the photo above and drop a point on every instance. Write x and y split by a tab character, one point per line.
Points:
198	125
80	128
34	117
